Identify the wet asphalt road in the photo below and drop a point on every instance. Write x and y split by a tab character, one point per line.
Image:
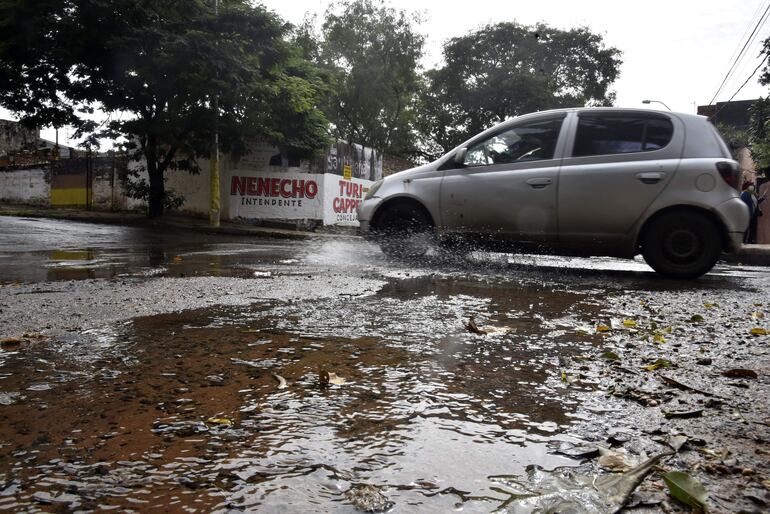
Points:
145	370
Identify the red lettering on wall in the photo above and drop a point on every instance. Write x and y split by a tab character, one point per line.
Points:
238	186
273	186
263	186
311	189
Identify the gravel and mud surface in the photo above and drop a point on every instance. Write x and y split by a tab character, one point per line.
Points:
144	371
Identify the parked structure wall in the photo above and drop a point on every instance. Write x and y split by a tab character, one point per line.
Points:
29	186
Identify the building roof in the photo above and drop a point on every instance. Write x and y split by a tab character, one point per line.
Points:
734	114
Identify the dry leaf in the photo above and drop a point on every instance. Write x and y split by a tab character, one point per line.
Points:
220	421
473	328
603	328
629	323
758	331
281	381
740	373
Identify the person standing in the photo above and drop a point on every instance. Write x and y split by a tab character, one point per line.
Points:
752	202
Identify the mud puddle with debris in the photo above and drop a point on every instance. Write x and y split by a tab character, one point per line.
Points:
233	408
321	377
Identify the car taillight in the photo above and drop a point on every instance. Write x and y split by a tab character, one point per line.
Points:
729	173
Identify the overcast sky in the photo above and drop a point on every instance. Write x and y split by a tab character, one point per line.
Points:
674	51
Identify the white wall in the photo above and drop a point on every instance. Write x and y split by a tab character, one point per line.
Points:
29	186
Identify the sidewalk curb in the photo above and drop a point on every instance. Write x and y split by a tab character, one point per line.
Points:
750	255
176	222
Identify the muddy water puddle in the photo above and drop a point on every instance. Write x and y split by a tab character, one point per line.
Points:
230	408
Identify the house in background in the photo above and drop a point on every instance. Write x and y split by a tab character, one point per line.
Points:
736	115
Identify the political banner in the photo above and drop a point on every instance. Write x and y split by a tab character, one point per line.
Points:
255	195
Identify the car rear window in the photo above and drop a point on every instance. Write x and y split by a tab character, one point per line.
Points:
603	135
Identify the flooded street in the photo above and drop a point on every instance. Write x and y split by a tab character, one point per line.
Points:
142	370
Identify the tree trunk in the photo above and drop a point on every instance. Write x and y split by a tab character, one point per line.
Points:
157	186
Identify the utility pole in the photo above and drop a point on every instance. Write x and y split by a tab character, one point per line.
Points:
214	207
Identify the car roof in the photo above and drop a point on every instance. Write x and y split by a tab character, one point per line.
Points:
630	110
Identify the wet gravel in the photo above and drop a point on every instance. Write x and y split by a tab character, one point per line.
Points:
227	375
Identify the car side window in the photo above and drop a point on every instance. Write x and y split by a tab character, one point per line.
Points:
599	135
533	141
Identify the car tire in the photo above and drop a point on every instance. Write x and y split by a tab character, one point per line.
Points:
682	244
405	231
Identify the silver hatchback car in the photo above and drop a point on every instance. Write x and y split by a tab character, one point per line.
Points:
585	181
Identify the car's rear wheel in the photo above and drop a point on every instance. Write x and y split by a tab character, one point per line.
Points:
682	244
405	231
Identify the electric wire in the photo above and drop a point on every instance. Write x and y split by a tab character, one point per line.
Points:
742	85
741	54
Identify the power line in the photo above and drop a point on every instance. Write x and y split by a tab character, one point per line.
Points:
742	85
741	54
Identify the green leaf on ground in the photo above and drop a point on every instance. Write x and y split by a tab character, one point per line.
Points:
660	363
687	490
697	318
610	356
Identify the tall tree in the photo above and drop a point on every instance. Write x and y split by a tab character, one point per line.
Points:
759	118
508	69
158	67
373	53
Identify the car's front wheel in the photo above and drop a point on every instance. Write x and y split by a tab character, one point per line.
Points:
682	244
405	231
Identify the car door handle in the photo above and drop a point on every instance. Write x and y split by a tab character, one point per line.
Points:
650	177
539	183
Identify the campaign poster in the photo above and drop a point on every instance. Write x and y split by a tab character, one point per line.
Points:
256	195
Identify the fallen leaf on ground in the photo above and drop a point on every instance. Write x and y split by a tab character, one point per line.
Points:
473	328
758	315
613	461
336	380
687	490
220	421
660	363
603	328
709	305
33	335
610	356
496	330
629	323
659	338
740	373
677	441
696	318
683	414
758	331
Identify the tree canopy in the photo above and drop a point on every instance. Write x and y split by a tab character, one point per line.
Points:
157	67
168	73
508	69
372	53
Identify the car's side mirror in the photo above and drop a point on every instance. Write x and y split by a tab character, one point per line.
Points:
460	157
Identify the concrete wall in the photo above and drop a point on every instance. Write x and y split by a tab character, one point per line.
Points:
29	186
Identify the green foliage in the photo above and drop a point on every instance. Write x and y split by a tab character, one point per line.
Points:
372	53
735	138
509	69
170	73
759	130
